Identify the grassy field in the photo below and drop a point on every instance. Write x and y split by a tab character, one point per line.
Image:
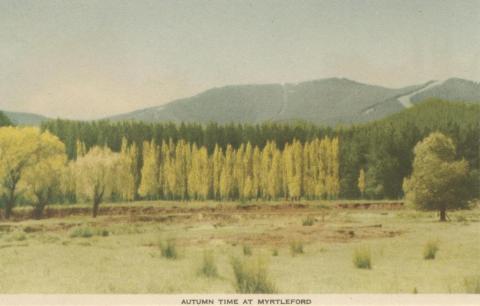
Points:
123	253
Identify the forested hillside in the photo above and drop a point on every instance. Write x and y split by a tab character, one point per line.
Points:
19	118
383	149
4	120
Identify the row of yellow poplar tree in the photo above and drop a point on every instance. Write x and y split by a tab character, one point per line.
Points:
185	171
34	168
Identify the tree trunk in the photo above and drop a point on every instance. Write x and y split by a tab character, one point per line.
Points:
9	203
8	208
38	211
443	215
96	204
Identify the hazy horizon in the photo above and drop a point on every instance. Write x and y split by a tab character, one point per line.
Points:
90	59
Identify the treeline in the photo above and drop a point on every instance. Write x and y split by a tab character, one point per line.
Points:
186	171
34	169
382	149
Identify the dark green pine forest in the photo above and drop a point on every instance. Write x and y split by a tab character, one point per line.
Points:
383	148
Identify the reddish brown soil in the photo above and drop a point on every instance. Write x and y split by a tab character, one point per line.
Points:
161	213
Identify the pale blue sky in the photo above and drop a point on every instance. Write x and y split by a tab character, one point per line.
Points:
88	59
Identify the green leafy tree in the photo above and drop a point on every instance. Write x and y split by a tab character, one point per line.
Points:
438	181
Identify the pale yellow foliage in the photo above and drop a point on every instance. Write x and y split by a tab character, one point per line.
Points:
96	174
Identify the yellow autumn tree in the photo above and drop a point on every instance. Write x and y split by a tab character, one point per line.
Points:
226	177
182	166
217	164
128	168
247	192
41	181
21	149
257	172
275	176
149	186
170	174
361	182
96	175
335	167
239	172
293	169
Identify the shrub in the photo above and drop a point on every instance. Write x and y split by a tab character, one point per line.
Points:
472	284
461	219
296	247
308	221
362	258
19	236
87	232
430	250
251	276
84	232
209	268
247	250
169	249
275	252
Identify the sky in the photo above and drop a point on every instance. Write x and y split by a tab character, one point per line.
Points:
95	58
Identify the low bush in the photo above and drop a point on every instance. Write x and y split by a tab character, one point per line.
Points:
19	236
87	232
362	258
169	249
308	221
209	267
247	250
84	232
296	247
275	252
251	276
430	250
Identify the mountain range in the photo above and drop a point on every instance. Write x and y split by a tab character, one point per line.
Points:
25	118
329	101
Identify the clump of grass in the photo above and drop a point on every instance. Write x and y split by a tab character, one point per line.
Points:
247	250
275	252
251	276
209	267
362	258
87	232
19	236
84	232
415	290
169	249
430	250
296	247
308	221
472	284
461	219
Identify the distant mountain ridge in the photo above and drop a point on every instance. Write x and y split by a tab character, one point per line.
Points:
19	118
327	101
